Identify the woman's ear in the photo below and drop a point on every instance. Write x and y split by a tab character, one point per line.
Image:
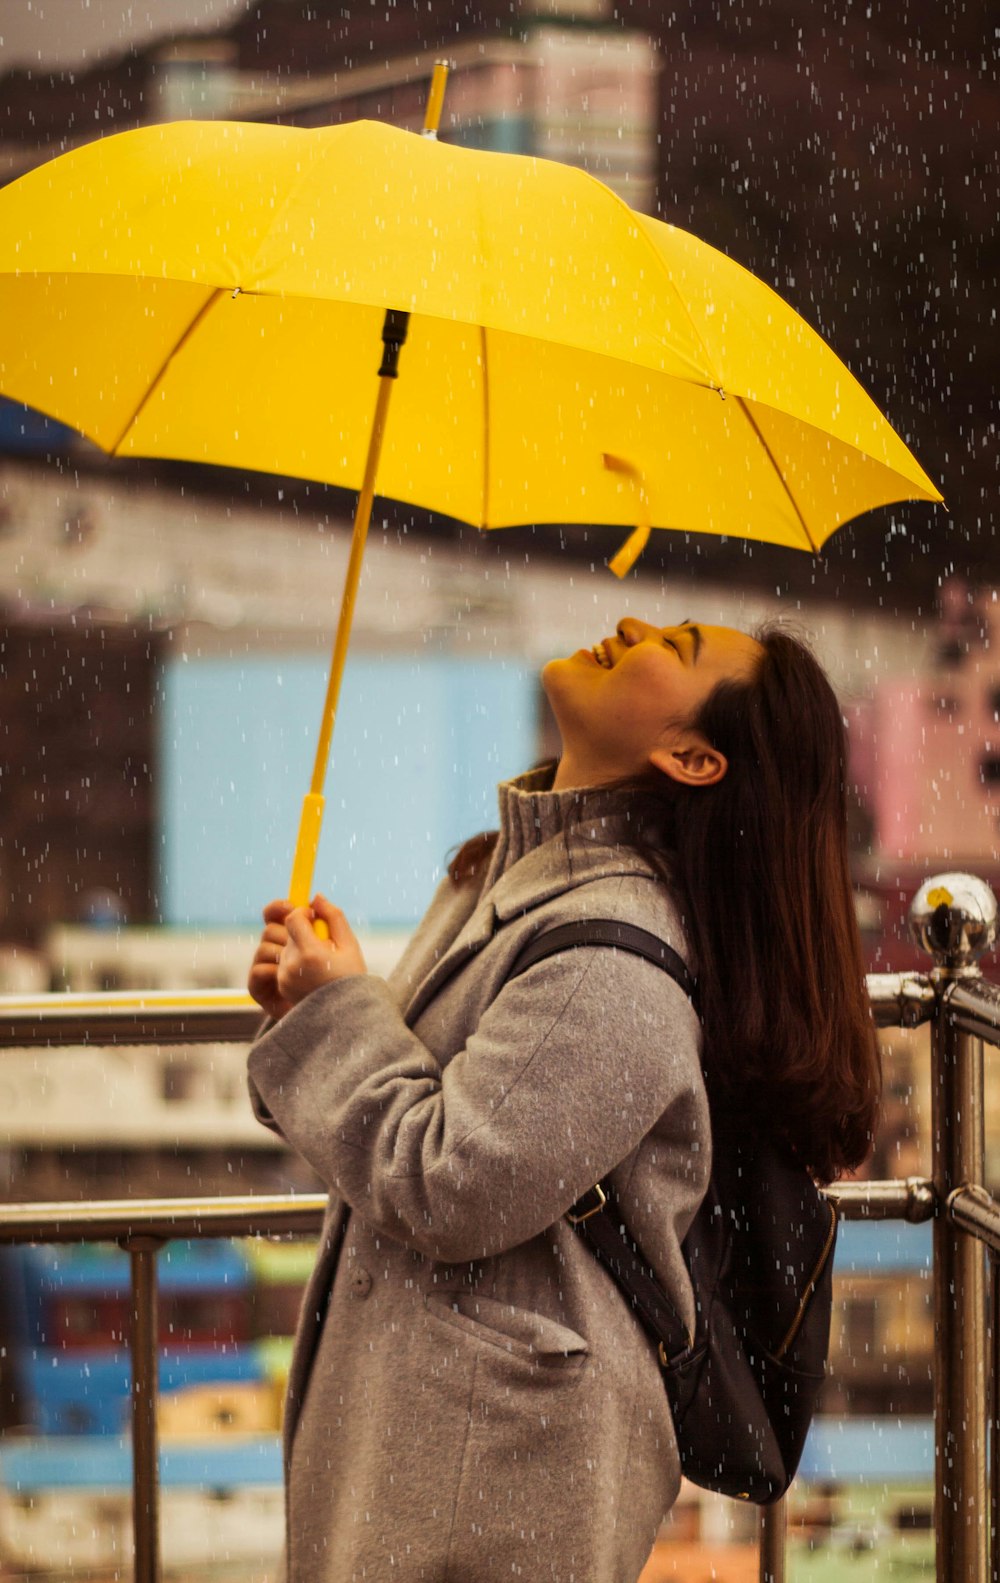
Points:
691	762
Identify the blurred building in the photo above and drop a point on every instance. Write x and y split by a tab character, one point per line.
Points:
925	767
931	745
165	658
569	82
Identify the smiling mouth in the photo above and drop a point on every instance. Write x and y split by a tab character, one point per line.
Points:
602	655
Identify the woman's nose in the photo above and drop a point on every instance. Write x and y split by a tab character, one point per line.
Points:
632	631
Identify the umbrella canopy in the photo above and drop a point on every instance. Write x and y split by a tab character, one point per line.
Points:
215	292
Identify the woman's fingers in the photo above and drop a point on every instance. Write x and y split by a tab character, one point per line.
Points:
350	958
299	926
262	981
291	960
307	961
341	934
262	984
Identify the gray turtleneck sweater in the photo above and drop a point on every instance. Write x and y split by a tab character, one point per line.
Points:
471	1397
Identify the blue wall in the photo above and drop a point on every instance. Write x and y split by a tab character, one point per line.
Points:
882	1247
418	749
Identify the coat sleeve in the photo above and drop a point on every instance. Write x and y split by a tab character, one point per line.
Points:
573	1063
257	1105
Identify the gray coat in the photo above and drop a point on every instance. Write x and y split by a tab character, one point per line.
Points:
471	1398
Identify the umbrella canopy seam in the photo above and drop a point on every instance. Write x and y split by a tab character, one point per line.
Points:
647	241
779	473
291	193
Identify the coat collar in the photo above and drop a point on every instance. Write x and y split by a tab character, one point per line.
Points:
595	849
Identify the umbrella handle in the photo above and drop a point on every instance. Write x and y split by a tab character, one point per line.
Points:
304	861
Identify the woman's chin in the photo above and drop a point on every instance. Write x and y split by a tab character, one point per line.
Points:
566	664
549	675
560	679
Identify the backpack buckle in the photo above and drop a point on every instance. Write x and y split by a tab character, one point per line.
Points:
577	1212
678	1357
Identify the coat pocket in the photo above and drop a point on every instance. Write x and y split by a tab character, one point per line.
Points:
533	1338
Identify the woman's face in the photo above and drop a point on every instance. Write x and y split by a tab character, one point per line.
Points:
629	701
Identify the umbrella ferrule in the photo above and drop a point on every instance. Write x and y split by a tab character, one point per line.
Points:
393	335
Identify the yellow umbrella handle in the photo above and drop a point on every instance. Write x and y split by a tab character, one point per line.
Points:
306	848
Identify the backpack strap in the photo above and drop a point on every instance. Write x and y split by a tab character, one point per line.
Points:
595	1215
607	931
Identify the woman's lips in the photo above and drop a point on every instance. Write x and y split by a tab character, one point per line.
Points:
602	654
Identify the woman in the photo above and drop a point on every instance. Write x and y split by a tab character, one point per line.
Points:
471	1397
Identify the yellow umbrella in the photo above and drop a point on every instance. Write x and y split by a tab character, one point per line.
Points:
216	292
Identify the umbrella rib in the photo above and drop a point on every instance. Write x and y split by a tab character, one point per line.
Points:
784	481
157	377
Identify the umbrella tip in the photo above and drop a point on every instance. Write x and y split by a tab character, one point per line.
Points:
435	98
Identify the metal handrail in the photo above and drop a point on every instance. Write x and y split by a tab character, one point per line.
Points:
116	1219
910	1198
301	1214
901	1000
152	1016
972	1005
142	1227
977	1212
898	1000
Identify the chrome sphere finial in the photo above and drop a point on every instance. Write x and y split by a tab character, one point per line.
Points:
954	918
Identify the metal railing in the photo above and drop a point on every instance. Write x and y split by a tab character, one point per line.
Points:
142	1227
952	916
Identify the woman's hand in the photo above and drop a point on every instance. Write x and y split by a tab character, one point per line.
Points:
306	962
263	980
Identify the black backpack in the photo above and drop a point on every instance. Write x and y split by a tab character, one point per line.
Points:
759	1252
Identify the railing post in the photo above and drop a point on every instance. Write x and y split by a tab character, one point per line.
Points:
142	1252
954	917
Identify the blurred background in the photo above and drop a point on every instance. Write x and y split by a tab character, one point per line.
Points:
165	632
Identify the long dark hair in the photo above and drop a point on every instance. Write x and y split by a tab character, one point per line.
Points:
760	865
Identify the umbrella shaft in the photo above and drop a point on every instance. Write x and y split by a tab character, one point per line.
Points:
362	517
393	335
